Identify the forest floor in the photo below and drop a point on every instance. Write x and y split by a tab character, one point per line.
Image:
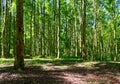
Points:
61	72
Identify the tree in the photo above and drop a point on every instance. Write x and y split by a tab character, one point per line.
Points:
115	33
0	19
58	31
31	38
95	30
61	28
19	48
5	44
83	31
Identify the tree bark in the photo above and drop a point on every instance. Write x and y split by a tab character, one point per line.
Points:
31	30
76	37
101	42
95	30
0	22
83	32
5	47
19	55
58	31
115	33
54	28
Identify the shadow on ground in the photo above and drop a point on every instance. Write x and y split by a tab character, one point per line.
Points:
71	73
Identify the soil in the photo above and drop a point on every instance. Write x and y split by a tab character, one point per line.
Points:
64	73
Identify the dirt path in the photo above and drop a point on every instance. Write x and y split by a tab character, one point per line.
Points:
82	73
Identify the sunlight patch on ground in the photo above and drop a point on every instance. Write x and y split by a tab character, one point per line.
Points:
50	66
7	65
73	78
87	65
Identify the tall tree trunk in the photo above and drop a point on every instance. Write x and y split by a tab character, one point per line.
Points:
35	30
44	28
19	55
9	29
14	37
50	40
0	23
75	30
83	32
39	29
31	38
95	30
115	40
72	28
55	28
76	37
58	31
41	35
115	37
66	37
101	42
4	31
111	42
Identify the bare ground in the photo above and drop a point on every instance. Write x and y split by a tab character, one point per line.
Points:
64	73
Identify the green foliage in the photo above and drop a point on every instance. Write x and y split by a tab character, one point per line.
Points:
6	61
13	7
43	16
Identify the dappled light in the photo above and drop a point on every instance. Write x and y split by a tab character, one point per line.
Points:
59	41
74	73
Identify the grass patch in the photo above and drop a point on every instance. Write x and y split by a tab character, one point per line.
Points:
6	61
37	60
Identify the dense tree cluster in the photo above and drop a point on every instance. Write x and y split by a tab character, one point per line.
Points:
83	28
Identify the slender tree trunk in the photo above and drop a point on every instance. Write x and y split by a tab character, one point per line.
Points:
83	32
111	43
75	26
55	28
31	38
50	40
115	33
58	32
0	11
95	29
14	39
44	30
39	29
25	42
19	55
41	35
76	38
35	38
80	27
0	24
66	40
4	31
115	40
36	29
71	35
9	30
101	42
